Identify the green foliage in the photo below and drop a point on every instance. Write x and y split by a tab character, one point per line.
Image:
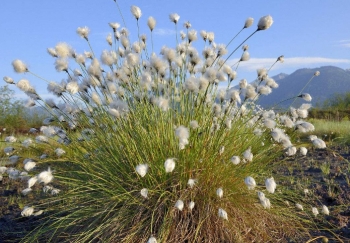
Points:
14	116
339	101
11	110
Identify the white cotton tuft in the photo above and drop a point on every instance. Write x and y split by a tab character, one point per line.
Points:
261	195
303	151
83	32
249	21
220	192
10	139
235	160
194	124
174	17
63	49
291	150
27	211
152	239
45	177
19	66
26	191
179	205
266	203
248	155
25	86
191	205
151	22
265	22
32	181
142	169
270	185
250	182
299	206
191	183
144	192
136	11
325	210
183	134
222	214
29	165
59	152
306	97
72	87
9	80
319	143
169	165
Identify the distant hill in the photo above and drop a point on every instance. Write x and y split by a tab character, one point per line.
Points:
332	80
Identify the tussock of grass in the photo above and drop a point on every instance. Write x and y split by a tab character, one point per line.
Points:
108	134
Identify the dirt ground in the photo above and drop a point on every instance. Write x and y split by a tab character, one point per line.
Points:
324	173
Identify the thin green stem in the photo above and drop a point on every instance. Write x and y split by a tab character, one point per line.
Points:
38	76
302	90
120	12
237	48
234	37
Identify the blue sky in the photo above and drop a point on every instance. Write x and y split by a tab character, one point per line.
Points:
309	34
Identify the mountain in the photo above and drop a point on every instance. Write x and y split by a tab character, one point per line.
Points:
332	80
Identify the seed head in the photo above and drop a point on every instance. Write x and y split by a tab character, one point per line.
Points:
325	210
136	11
280	59
220	192
114	25
151	22
63	49
152	239
142	169
299	206
83	32
270	185
235	160
222	214
303	151
179	205
169	165
191	205
19	66
315	211
27	211
265	22
144	192
9	80
45	177
250	182
248	22
174	17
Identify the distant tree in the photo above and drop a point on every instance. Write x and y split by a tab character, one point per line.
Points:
11	110
339	101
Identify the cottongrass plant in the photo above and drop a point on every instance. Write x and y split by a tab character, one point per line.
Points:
150	148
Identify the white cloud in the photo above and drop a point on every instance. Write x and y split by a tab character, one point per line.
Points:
343	43
291	62
161	31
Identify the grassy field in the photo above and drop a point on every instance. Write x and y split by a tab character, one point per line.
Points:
332	131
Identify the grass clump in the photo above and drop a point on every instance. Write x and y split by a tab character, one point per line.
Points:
142	143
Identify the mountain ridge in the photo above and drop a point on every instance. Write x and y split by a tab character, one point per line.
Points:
332	80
